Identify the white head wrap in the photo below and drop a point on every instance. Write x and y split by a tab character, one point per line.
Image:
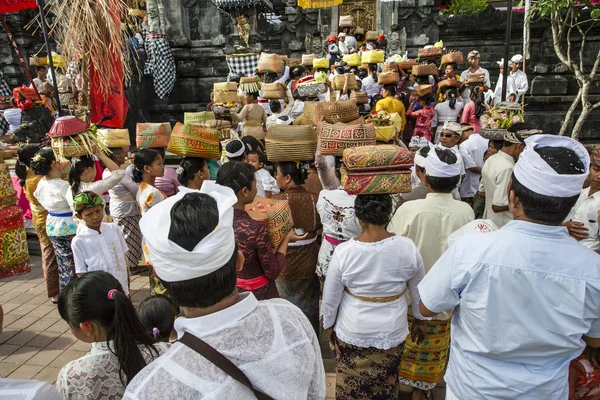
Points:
453	127
476	226
174	263
420	160
439	169
536	175
237	153
517	58
283	120
333	48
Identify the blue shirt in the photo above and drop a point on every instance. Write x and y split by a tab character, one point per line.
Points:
524	296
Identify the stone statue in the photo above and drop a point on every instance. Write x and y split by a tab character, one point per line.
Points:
314	44
396	41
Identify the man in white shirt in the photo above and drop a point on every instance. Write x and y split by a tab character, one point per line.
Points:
41	78
495	176
449	138
582	221
472	148
429	223
511	92
474	68
519	77
527	296
196	258
342	45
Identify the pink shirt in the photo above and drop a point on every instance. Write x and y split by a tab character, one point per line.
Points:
168	184
469	117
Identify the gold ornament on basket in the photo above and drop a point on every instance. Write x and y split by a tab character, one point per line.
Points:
243	26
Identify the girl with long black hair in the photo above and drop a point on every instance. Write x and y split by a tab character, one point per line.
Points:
447	111
369	84
29	181
475	109
51	193
99	312
83	172
148	165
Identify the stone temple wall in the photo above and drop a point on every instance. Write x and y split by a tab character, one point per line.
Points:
201	36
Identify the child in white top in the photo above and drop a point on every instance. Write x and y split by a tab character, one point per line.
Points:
98	246
266	185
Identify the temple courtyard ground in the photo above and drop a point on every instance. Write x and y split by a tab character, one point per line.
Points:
36	343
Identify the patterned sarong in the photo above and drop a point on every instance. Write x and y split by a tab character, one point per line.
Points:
64	258
133	237
242	64
424	365
366	373
160	64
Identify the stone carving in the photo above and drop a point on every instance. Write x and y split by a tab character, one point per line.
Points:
314	43
396	41
295	45
364	13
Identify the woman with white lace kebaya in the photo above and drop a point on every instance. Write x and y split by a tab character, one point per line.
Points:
99	312
364	303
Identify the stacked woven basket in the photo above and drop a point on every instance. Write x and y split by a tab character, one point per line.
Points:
72	137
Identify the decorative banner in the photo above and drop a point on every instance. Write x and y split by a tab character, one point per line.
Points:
110	110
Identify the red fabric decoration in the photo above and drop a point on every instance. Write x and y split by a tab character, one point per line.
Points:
12	6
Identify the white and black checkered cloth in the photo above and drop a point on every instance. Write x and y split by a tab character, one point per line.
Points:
160	64
4	125
4	89
242	64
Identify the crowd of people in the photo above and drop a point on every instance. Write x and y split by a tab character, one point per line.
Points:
484	274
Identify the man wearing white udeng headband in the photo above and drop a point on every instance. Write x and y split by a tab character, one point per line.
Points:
527	296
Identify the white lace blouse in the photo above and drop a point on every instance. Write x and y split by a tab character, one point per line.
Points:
382	269
95	376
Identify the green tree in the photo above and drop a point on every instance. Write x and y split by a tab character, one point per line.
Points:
572	23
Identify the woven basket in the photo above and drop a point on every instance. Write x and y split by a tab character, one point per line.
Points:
276	214
291	143
353	60
373	57
376	182
422	90
340	80
407	65
270	62
273	91
197	117
456	57
385	133
193	141
390	67
340	111
310	89
378	158
475	79
334	138
113	138
294	62
449	83
68	146
424	69
226	97
38	61
431	52
347	21
225	86
493	134
67	126
371	36
360	97
388	78
220	127
152	135
307	59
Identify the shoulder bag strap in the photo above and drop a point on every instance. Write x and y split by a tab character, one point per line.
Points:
218	359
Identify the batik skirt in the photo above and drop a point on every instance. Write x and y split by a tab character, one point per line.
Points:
14	256
64	258
423	365
366	372
298	283
133	237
